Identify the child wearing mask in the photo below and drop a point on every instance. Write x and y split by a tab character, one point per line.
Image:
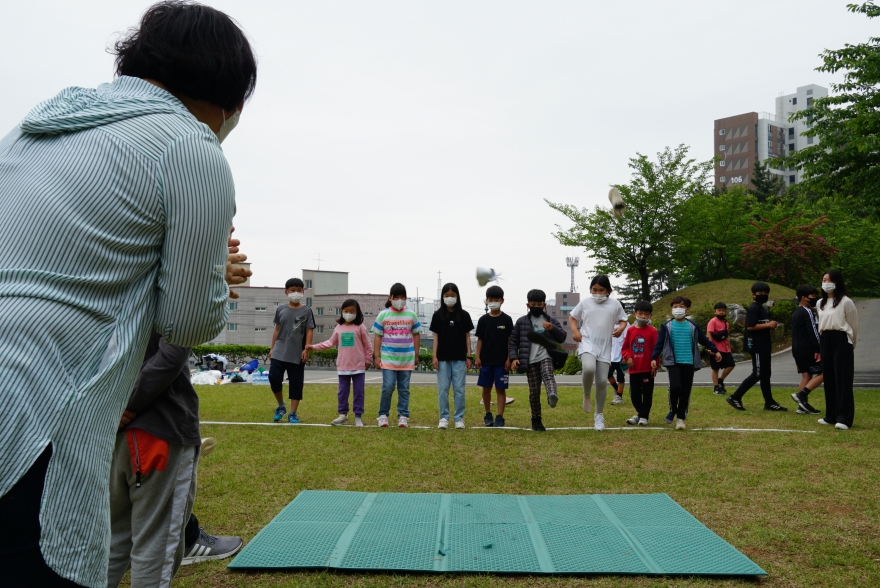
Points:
354	353
759	344
678	343
493	340
805	347
452	326
396	343
718	330
594	322
637	349
294	328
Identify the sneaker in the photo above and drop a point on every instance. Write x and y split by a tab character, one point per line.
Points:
279	413
841	427
537	425
459	424
800	399
618	399
800	411
679	425
719	390
382	421
403	421
552	399
735	403
208	547
633	420
723	388
340	420
499	421
643	422
811	409
488	420
775	407
670	416
208	445
824	422
292	418
443	424
599	421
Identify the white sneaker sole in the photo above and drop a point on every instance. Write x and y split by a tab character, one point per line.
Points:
208	445
198	559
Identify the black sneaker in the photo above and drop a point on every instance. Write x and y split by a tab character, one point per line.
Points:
537	425
723	389
775	406
499	421
735	403
800	399
719	390
811	409
487	420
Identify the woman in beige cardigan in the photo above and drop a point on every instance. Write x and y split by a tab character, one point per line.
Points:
839	331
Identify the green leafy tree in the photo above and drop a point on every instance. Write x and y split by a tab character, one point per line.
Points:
767	184
857	240
846	160
643	240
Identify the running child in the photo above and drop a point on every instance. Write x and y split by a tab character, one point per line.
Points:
493	341
396	341
718	330
616	376
452	326
678	342
294	327
638	346
354	354
594	322
805	342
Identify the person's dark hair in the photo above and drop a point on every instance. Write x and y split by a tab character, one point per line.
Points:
293	283
839	288
804	291
536	296
359	320
644	306
194	50
457	309
494	292
602	280
720	306
760	287
397	289
681	300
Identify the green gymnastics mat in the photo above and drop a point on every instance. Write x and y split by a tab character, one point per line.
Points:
581	534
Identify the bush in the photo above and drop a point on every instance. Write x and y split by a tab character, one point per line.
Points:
572	365
782	310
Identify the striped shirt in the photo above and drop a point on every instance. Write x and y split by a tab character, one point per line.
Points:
115	208
683	342
397	327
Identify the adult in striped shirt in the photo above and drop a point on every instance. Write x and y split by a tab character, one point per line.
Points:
116	205
397	337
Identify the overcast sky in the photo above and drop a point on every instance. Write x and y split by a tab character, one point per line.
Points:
399	139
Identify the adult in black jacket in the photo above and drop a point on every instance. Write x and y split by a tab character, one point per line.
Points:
805	347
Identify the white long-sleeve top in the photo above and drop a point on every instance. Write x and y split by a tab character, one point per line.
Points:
843	318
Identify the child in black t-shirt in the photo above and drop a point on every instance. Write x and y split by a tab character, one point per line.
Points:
452	328
493	338
758	343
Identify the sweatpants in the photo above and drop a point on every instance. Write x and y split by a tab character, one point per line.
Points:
838	365
590	366
760	373
540	371
641	392
148	523
345	385
681	381
296	377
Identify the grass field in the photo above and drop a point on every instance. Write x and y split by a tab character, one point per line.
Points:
739	291
802	506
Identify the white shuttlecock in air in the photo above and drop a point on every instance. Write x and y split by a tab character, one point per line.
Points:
617	203
484	276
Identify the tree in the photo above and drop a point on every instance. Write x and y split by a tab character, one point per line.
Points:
846	161
661	282
767	184
857	240
787	253
643	240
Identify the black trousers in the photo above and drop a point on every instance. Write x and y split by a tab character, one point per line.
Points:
760	373
641	392
21	562
838	366
681	381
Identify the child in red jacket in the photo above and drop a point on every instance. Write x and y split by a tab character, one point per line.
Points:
638	345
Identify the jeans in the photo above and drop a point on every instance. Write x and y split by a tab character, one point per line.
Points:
451	373
390	379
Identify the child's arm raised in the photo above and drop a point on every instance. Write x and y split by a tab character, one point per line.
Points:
331	342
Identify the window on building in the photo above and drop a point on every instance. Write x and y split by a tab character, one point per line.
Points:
260	308
809	102
791	179
723	178
722	131
277	303
809	140
308	301
790	132
308	283
259	328
320	310
722	163
565	295
791	146
809	92
722	147
794	100
232	327
232	305
320	328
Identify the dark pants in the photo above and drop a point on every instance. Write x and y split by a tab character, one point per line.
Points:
191	533
681	381
345	385
838	366
296	377
641	391
760	373
615	368
21	563
538	372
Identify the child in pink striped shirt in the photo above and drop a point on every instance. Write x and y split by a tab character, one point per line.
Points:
355	350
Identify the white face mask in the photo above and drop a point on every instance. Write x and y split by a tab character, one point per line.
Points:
679	312
398	304
642	322
493	305
228	125
829	286
348	317
450	300
600	297
295	296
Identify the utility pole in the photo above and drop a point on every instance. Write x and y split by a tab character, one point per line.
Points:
439	286
572	262
319	260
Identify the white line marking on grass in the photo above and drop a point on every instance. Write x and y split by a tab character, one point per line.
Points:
754	430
